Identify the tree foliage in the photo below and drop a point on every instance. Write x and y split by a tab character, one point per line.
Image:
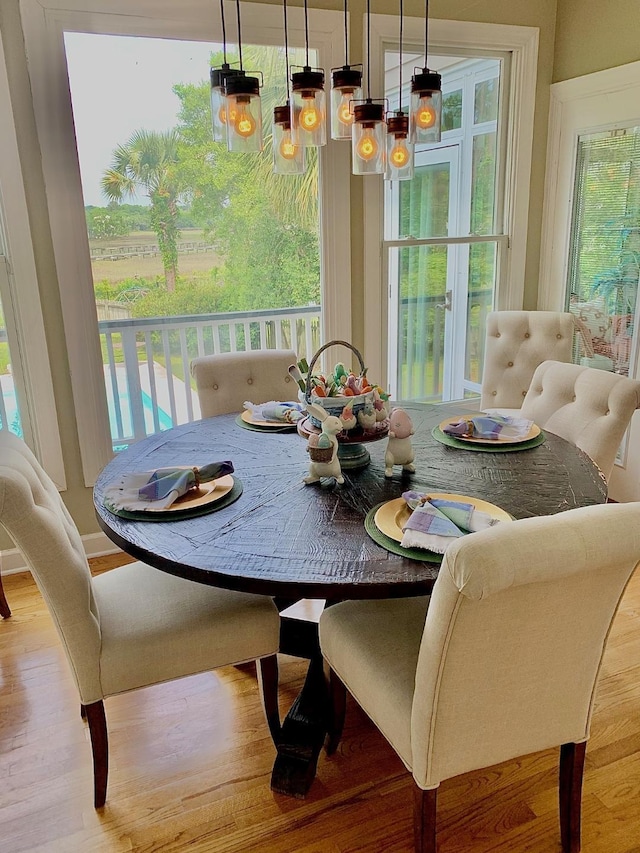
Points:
148	161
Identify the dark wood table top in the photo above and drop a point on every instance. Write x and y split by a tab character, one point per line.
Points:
283	538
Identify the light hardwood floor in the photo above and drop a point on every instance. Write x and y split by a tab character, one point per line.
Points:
190	765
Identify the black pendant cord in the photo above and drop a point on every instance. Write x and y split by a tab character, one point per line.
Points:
426	32
239	33
368	50
286	45
346	35
224	33
400	55
306	33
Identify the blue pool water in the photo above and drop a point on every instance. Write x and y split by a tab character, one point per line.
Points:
13	416
125	414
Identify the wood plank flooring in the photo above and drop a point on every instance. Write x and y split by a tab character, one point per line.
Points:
191	761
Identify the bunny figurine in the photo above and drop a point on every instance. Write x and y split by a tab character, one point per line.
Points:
323	448
399	450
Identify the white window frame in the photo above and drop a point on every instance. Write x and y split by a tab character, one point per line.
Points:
44	22
604	100
21	302
449	36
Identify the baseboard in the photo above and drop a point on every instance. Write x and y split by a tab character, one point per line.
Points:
95	545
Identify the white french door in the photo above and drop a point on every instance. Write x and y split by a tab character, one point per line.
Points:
422	276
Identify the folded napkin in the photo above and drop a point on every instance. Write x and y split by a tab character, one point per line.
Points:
286	413
435	522
491	425
154	491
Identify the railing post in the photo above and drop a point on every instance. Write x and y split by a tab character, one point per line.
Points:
136	407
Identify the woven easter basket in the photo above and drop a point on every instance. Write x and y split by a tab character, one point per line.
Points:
335	405
318	454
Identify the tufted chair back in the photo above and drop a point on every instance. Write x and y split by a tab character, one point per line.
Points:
516	343
225	381
589	407
32	512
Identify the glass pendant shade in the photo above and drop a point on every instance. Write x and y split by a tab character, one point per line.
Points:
399	149
288	157
219	101
346	87
308	110
425	109
368	140
243	114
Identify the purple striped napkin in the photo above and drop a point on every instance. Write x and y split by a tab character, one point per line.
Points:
154	491
489	426
436	522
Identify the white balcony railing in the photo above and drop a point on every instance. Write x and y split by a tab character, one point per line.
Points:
146	361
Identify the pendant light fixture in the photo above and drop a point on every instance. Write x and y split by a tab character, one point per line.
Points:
243	108
346	87
369	131
426	97
308	111
288	156
399	148
218	93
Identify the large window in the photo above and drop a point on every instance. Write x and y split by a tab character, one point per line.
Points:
604	260
194	250
47	24
590	251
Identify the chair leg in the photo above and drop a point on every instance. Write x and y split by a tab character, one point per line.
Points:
338	699
571	771
5	610
424	819
100	748
268	681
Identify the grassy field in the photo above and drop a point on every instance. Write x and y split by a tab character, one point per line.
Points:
114	271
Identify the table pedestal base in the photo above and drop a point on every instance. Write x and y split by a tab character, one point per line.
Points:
305	726
303	734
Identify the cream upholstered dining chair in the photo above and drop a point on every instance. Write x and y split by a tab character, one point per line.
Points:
226	380
501	661
516	343
5	610
589	407
132	626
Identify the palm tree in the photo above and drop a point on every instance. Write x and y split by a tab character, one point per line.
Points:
148	161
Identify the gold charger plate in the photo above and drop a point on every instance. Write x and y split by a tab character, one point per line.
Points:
534	432
206	493
392	515
248	418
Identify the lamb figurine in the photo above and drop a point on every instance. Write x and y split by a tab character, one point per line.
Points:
399	450
323	448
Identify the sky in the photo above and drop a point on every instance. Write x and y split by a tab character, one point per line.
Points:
120	84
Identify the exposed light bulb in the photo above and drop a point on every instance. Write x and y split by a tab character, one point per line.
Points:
345	116
244	123
425	113
288	150
367	147
399	154
309	115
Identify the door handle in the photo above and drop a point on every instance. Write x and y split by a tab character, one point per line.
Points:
447	302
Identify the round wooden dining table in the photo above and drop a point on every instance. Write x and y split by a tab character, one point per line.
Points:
294	541
287	539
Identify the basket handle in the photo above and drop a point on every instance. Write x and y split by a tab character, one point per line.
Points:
307	393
